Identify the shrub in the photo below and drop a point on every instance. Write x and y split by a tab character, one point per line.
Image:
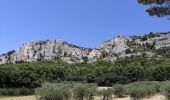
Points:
80	91
63	91
57	91
166	90
137	92
156	84
26	91
92	90
119	90
12	92
16	91
106	94
150	90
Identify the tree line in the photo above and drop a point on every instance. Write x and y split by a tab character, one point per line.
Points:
104	73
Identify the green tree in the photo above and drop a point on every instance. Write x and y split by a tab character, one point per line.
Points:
158	8
80	91
106	93
119	90
57	91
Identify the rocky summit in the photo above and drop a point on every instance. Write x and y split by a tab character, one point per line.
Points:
59	50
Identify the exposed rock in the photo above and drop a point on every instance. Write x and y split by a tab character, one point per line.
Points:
115	45
59	50
94	56
46	50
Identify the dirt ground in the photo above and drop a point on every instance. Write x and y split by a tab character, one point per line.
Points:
156	97
19	98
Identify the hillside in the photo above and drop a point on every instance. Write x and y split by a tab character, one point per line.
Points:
117	47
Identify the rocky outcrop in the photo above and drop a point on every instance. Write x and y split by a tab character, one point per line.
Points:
161	40
59	50
108	50
56	50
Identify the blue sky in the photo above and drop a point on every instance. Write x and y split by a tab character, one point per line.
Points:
82	22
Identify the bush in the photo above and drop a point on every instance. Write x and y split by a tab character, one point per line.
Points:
56	91
13	92
156	84
80	91
106	94
119	90
63	91
92	90
16	91
166	90
67	91
139	90
26	91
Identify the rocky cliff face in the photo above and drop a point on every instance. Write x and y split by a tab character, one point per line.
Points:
59	50
108	50
56	50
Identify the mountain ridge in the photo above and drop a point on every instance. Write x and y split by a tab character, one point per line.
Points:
60	50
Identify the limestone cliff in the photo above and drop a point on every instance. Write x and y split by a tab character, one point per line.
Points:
59	50
56	50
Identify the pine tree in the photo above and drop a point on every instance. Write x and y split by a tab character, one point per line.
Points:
158	8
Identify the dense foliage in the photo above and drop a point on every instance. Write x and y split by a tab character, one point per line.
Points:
104	73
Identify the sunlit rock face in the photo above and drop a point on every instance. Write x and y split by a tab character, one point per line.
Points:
59	50
47	50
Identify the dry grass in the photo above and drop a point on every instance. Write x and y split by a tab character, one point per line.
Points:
19	98
156	97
